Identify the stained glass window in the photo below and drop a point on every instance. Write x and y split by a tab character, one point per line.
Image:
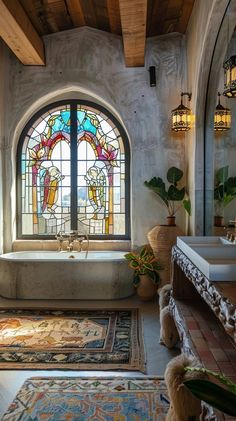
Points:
73	167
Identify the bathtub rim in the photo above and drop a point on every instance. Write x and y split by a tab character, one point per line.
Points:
64	256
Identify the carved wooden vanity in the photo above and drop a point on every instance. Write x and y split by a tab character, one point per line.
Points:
205	316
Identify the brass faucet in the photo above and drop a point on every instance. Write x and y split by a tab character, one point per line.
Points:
70	246
71	237
60	240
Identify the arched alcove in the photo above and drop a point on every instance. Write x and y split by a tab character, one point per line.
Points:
90	185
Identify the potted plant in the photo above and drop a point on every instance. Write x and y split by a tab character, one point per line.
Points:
222	398
171	194
146	276
224	193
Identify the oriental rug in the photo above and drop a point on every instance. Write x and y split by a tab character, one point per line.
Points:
71	339
80	399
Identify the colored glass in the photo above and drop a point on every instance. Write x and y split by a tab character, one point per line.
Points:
59	186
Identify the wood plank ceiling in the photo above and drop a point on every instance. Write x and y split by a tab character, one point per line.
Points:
134	20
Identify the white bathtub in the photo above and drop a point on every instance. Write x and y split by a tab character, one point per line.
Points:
96	275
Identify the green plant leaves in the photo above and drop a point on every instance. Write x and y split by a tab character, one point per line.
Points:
176	194
225	188
174	175
187	206
222	174
144	263
173	194
136	279
214	395
157	185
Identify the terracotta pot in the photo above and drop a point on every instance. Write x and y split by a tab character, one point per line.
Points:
218	221
171	221
162	238
146	289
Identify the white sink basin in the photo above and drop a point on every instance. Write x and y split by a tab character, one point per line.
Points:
216	260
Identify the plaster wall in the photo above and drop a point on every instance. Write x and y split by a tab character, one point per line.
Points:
87	63
5	108
201	36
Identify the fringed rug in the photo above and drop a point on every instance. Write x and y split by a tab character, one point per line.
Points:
69	339
117	399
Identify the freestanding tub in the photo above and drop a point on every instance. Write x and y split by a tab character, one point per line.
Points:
96	275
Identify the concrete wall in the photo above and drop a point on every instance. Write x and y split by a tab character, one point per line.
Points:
87	63
5	108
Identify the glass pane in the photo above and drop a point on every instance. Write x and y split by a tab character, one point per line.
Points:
46	177
100	190
45	174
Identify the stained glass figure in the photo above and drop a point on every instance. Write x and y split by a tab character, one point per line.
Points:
48	183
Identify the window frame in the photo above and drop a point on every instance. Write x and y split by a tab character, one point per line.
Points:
74	216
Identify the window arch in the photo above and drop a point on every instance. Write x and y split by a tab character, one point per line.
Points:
73	173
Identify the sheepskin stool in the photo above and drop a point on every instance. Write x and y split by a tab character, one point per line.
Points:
164	295
183	404
168	332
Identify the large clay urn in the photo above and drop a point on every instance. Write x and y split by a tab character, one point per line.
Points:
162	238
146	289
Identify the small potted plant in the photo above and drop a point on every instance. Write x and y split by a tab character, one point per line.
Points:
171	194
146	276
224	193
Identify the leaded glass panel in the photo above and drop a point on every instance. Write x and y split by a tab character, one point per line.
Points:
73	171
45	174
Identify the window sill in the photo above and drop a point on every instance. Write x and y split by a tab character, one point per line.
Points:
48	245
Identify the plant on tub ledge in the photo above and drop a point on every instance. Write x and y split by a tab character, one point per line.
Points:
146	267
172	194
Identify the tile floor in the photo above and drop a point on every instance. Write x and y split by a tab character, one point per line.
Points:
157	355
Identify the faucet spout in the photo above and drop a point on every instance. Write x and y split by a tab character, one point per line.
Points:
70	246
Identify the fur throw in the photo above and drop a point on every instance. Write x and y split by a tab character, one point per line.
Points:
183	405
164	295
168	333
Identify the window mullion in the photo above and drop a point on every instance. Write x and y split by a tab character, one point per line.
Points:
74	166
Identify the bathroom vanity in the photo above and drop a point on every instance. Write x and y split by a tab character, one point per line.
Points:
204	301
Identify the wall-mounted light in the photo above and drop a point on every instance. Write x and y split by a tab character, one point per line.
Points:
181	116
222	117
152	75
230	77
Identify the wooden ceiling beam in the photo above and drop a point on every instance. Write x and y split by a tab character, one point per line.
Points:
114	16
76	12
185	14
133	15
19	34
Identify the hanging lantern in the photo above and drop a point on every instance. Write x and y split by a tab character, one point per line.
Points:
222	117
181	116
230	77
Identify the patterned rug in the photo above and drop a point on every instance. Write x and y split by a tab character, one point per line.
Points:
73	399
69	339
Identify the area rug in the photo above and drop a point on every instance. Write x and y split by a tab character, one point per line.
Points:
71	339
100	399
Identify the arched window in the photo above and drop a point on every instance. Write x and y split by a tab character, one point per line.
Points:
73	169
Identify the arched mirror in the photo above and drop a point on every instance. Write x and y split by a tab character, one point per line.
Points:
220	130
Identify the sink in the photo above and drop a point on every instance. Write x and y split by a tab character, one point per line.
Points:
214	258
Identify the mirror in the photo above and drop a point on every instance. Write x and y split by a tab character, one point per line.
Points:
220	140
